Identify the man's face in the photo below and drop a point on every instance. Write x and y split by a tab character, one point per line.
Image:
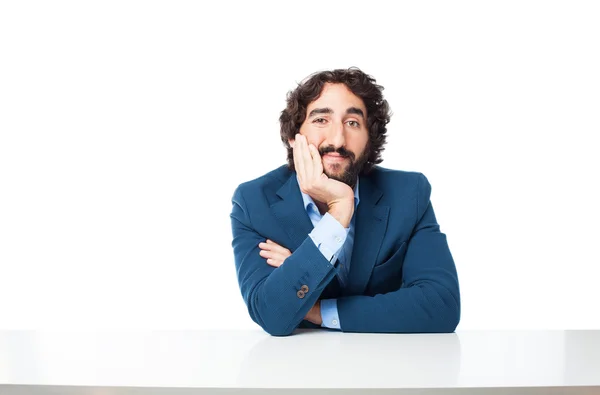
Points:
336	123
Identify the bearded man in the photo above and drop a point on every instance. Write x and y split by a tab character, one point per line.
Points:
333	240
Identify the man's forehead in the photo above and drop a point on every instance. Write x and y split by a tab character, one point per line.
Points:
336	95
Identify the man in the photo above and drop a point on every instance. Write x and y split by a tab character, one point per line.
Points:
333	240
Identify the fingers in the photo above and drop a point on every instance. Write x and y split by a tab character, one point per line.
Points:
316	161
280	249
273	260
304	161
274	247
298	157
274	254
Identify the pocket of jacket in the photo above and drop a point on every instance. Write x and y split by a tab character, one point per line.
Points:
397	255
387	276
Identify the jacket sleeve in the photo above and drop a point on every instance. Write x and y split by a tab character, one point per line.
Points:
429	299
274	296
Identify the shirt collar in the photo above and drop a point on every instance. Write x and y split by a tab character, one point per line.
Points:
309	200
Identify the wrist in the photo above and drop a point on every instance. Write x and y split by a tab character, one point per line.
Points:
342	211
317	313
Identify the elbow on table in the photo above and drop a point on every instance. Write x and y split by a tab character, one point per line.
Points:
449	316
449	324
438	322
272	325
278	332
441	309
277	329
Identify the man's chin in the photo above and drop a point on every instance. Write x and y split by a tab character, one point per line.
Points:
344	172
341	176
335	174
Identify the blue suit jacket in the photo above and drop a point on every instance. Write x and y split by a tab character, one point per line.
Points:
402	276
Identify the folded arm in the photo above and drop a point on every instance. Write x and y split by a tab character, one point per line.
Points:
279	298
429	299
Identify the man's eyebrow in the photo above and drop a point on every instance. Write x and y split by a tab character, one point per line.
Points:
355	111
316	111
327	110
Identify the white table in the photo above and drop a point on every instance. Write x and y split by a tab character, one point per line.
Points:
310	361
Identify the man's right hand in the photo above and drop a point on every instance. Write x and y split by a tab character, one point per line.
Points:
338	196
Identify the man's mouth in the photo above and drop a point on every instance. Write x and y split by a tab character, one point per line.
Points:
334	157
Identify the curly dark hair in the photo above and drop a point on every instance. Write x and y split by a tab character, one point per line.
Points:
362	85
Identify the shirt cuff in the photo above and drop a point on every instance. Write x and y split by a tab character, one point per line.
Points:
329	314
329	236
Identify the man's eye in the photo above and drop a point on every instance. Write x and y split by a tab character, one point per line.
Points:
353	124
319	120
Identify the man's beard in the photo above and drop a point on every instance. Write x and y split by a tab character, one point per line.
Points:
354	167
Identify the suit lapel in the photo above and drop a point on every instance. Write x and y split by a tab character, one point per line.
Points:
291	213
370	226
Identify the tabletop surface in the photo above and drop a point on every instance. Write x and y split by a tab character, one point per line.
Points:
307	359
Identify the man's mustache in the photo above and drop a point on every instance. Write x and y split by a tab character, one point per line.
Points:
341	151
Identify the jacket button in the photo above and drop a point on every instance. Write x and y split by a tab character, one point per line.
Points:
300	294
304	288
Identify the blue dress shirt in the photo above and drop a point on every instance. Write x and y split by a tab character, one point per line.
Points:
335	243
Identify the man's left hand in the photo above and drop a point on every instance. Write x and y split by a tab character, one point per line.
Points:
273	253
275	256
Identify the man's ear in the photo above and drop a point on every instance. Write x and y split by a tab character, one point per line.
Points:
291	142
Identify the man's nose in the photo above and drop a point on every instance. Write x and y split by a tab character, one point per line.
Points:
336	136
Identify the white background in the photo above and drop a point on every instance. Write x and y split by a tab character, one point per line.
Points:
126	126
